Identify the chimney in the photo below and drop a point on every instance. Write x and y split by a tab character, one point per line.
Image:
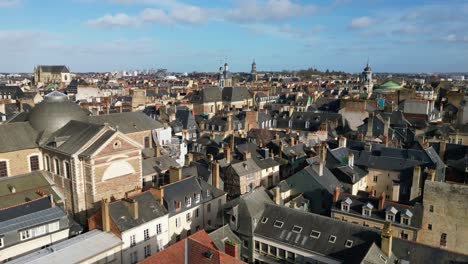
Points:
351	159
215	175
281	148
105	215
432	174
368	147
232	143
291	110
227	153
175	174
342	142
277	195
231	248
381	200
132	206
385	140
318	167
247	155
293	140
51	200
336	194
415	190
370	125
386	127
293	204
323	126
172	117
442	147
386	239
188	158
277	136
229	121
157	150
323	151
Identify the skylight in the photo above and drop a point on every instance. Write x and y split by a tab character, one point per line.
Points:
297	229
264	220
278	224
332	239
315	234
349	243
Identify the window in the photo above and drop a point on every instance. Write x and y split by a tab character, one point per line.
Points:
197	198
344	207
297	229
54	226
146	234
188	217
177	222
57	166
110	257
332	239
245	243
315	234
278	224
3	169
264	247
291	256
147	142
403	235
34	162
208	208
132	241
273	251
390	217
443	240
431	208
264	220
147	251
25	234
47	163
67	170
383	259
158	229
197	213
188	201
39	230
429	226
375	178
366	212
1	242
282	253
133	257
348	243
405	220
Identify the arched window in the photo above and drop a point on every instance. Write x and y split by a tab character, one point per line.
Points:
67	170
47	163
57	166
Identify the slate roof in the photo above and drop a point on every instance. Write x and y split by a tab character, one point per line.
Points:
245	167
379	214
186	119
419	253
130	122
188	187
220	235
73	136
17	136
26	187
149	209
98	143
236	94
362	237
158	164
74	250
53	68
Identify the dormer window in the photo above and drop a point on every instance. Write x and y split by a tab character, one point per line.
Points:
367	209
390	214
177	205
290	123
405	216
197	197
346	204
307	124
188	201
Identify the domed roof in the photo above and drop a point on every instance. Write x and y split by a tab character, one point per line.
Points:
54	112
367	68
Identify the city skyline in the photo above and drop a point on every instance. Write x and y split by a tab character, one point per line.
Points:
185	36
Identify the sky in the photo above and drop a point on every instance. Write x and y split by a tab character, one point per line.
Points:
188	35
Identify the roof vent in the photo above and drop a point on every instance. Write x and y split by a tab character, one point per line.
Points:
12	188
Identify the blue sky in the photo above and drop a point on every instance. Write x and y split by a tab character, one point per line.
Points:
188	35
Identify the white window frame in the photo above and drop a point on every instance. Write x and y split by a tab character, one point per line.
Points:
158	229
52	227
297	227
315	234
264	220
147	250
2	242
348	243
177	222
132	240
332	239
188	201
197	198
146	235
390	216
56	163
26	234
7	162
278	224
345	207
39	230
47	162
65	172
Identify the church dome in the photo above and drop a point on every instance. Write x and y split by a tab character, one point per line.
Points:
367	68
54	112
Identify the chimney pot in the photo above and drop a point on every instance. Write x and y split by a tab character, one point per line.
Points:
381	200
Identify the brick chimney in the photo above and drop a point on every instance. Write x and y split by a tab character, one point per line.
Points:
105	215
231	248
381	200
247	155
159	194
351	159
323	151
336	194
277	195
386	239
132	207
342	142
215	181
175	174
229	121
227	153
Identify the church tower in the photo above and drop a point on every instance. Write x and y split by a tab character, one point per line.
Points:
253	72
367	78
227	76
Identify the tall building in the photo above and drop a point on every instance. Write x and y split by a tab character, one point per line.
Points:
367	83
253	71
46	74
224	76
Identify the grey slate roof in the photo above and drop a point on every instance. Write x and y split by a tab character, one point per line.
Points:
362	237
220	235
158	164
98	143
17	136
149	209
419	253
74	250
54	68
235	94
127	122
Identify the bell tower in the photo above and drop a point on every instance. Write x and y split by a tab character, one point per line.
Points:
253	71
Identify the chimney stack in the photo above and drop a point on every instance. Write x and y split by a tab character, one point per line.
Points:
351	159
323	151
247	155
293	140
415	189
132	206
277	195
318	167
386	239
229	121
157	150
342	142
175	174
370	126
336	194
105	215
442	148
432	174
188	158
381	200
386	127
227	153
231	248
215	175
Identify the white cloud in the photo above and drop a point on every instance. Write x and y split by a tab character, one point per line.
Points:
155	16
117	20
361	22
189	14
9	3
256	10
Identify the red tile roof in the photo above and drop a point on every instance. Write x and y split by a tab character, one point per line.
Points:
199	244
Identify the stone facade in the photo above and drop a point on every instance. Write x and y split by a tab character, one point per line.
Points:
445	214
18	162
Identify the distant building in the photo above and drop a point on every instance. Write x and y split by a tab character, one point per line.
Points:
367	79
253	72
224	76
46	74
